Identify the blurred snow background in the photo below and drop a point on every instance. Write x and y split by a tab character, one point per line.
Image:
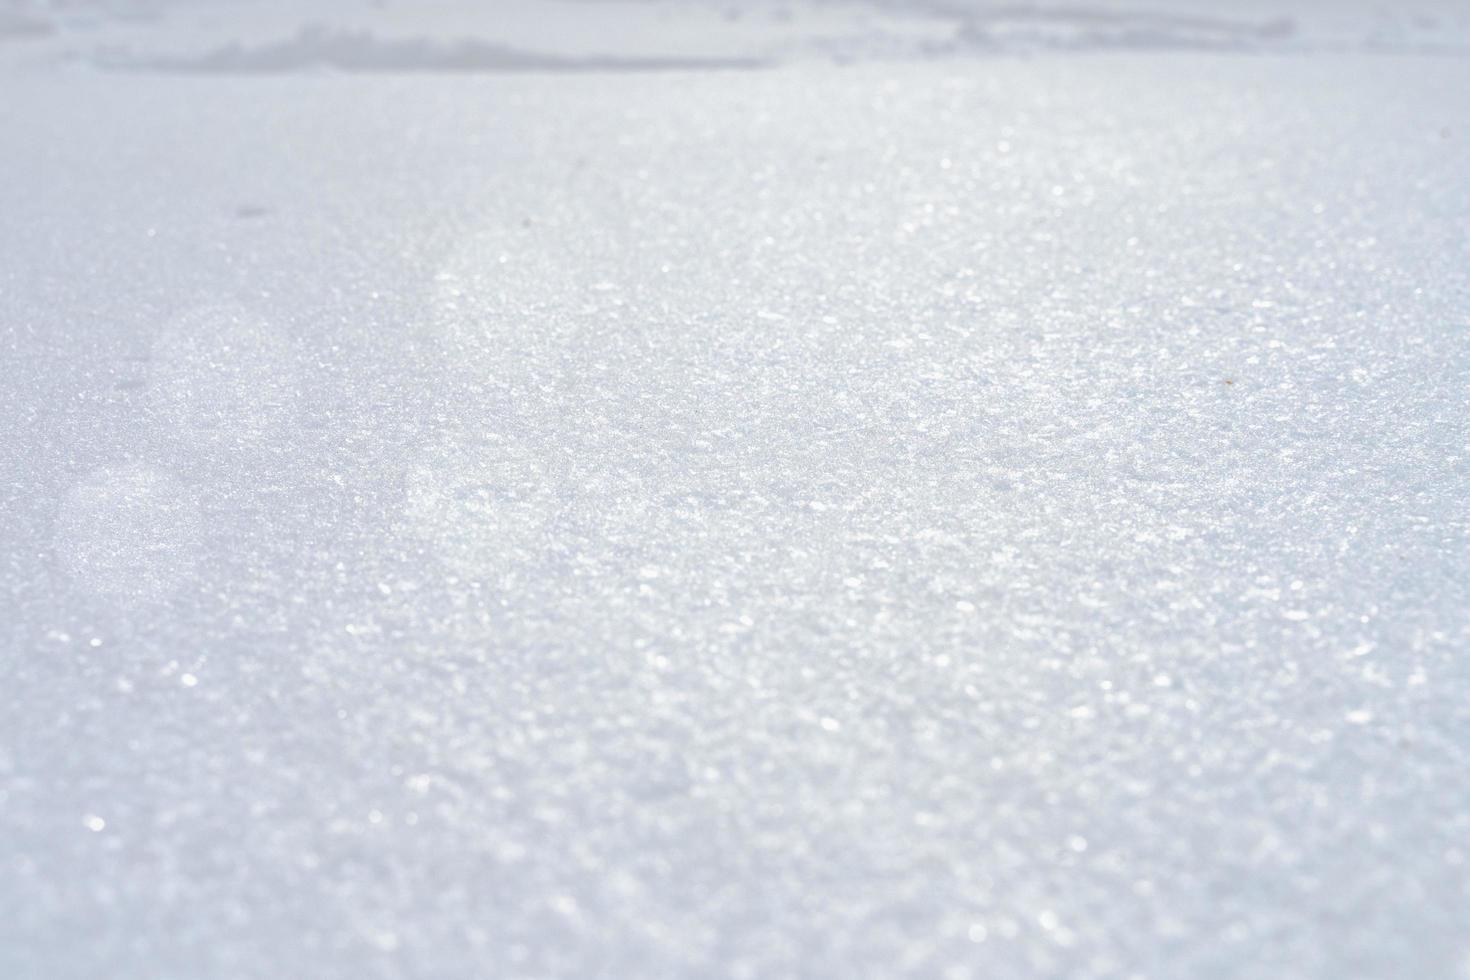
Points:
768	29
566	489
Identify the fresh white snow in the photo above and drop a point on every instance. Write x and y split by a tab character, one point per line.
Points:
634	489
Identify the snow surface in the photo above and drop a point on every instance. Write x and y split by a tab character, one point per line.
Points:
734	490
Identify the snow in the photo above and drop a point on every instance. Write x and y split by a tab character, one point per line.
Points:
734	490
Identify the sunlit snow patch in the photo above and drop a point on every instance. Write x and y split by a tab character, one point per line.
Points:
224	385
131	534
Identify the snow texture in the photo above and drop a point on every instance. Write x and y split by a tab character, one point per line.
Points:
971	492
